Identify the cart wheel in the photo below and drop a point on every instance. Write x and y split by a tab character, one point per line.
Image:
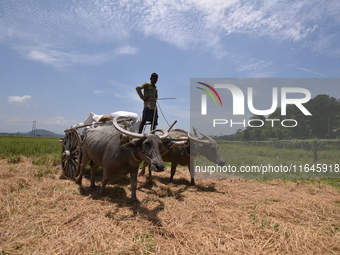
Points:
71	154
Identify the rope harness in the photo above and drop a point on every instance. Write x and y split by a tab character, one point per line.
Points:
191	156
134	157
165	152
147	157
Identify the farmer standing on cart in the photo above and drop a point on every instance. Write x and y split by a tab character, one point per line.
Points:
150	98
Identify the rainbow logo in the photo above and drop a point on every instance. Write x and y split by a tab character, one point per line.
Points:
210	94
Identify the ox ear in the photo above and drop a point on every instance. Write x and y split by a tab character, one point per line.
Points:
124	138
135	143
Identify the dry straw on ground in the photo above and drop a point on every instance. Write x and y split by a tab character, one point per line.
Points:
47	215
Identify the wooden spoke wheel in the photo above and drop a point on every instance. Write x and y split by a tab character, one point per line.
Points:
71	154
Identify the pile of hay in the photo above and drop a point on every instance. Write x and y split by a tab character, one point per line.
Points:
42	214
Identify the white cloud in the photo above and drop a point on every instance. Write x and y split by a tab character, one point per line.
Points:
119	84
310	71
98	92
130	95
126	50
255	68
44	57
57	121
49	33
61	58
254	64
307	70
23	100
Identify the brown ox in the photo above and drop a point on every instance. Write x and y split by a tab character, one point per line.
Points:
186	155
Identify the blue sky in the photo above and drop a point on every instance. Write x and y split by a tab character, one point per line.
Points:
61	60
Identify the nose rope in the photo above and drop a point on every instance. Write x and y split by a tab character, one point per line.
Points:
134	157
151	160
145	157
140	160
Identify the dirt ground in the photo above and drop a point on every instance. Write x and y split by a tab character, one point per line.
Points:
43	214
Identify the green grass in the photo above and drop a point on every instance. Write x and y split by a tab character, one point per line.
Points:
47	152
301	159
243	154
41	150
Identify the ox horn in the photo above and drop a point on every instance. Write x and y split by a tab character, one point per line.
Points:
199	140
195	131
164	133
206	136
124	131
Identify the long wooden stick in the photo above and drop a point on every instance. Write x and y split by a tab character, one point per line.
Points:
164	98
173	124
